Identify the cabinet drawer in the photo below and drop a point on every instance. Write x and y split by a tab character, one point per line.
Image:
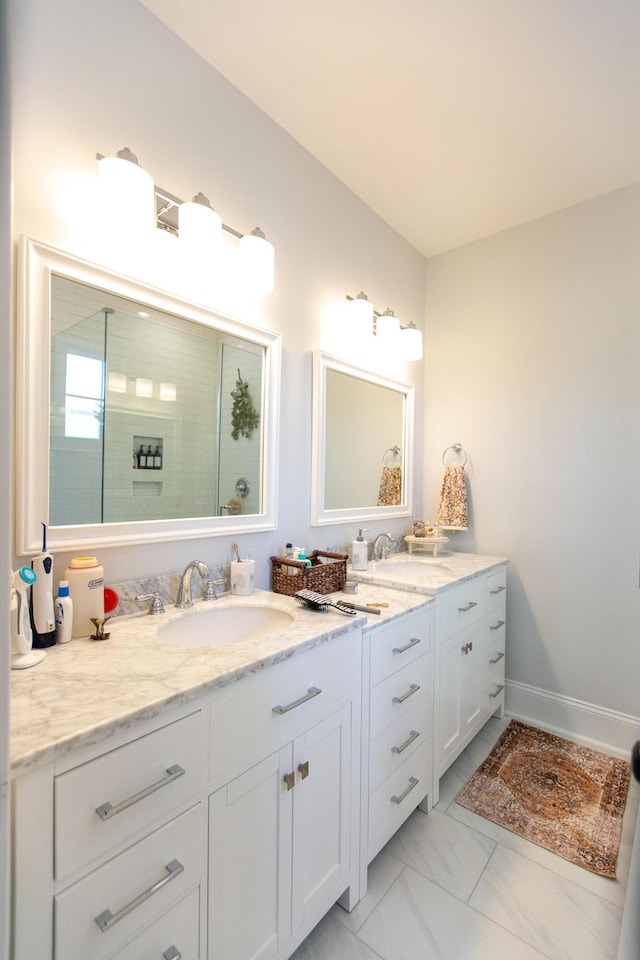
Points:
256	716
134	787
391	748
179	929
496	587
129	892
398	694
399	643
464	604
397	797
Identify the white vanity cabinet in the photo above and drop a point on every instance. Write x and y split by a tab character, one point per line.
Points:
470	653
110	850
397	726
283	829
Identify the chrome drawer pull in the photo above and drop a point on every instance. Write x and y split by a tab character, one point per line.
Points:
497	658
497	589
309	695
106	919
412	783
107	810
407	646
467	606
410	692
172	953
496	626
498	691
403	746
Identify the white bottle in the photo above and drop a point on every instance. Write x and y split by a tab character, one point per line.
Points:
86	588
359	552
64	613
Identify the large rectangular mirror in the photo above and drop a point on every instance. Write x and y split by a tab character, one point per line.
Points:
362	445
141	417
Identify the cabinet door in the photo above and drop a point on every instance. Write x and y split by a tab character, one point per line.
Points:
250	862
460	693
321	814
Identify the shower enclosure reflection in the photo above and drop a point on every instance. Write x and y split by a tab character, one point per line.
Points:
141	413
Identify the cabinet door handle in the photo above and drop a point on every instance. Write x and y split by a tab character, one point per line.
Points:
498	691
403	746
106	919
467	648
407	646
497	589
497	658
107	810
172	953
412	783
467	606
290	780
303	770
410	692
496	626
309	695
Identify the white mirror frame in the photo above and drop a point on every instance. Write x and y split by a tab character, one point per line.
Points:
319	515
36	263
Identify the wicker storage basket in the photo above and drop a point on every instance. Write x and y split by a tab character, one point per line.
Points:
327	573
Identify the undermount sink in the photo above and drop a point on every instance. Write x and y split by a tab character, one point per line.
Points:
410	569
220	626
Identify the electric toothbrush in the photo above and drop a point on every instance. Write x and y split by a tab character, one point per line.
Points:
22	655
43	619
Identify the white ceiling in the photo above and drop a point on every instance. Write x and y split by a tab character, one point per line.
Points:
451	119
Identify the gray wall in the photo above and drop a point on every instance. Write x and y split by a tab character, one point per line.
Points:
533	363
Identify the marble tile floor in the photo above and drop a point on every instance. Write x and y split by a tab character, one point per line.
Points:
452	886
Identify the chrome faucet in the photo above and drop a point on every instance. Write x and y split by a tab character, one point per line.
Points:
184	590
381	544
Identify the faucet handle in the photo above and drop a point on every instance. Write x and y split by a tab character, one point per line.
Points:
210	588
156	607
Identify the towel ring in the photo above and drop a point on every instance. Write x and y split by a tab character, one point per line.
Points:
457	449
395	452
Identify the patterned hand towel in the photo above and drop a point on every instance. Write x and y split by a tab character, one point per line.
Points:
390	494
452	514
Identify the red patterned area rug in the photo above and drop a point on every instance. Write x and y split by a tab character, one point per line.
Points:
564	797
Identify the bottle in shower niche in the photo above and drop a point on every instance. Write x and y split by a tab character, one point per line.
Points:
157	458
85	577
141	458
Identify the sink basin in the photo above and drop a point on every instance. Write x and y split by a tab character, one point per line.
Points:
410	569
220	626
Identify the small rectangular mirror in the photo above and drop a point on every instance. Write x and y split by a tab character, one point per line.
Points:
362	444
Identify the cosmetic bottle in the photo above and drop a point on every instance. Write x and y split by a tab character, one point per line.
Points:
359	552
64	613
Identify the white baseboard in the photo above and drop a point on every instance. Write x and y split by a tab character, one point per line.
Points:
587	723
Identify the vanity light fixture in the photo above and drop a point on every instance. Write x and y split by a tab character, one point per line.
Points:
386	327
144	387
132	200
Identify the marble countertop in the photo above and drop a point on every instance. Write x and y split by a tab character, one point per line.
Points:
85	691
423	574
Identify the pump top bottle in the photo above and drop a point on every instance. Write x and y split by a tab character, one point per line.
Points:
359	552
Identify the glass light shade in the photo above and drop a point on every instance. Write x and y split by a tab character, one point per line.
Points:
199	226
116	382
127	196
144	387
168	392
387	327
257	258
361	316
411	342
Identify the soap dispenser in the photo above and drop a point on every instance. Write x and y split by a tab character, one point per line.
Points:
360	552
